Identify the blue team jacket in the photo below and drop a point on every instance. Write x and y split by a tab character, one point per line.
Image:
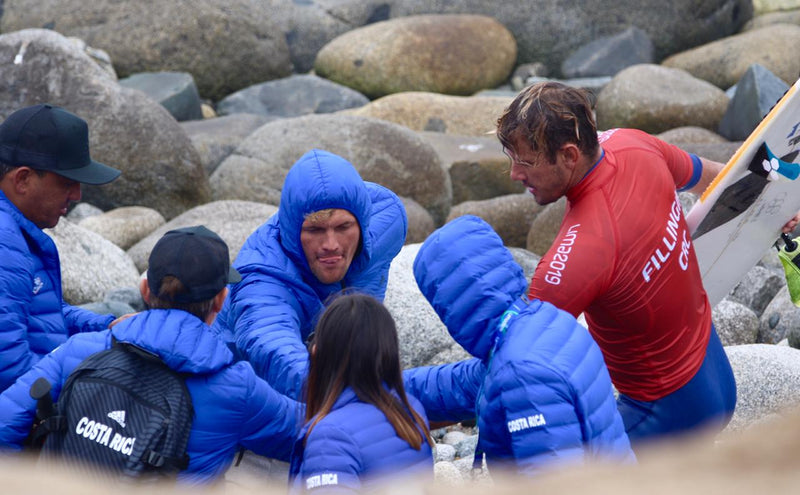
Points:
34	319
232	406
355	448
273	309
546	396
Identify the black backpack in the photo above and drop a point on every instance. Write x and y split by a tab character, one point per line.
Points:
122	410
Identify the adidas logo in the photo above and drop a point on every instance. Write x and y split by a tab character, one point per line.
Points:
118	416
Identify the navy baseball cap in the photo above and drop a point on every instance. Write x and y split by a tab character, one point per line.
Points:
197	257
47	137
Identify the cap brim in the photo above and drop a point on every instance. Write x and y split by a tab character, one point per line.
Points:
234	277
94	174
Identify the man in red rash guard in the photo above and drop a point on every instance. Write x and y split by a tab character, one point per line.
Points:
624	257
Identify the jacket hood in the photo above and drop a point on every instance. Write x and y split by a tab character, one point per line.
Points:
180	339
317	181
470	279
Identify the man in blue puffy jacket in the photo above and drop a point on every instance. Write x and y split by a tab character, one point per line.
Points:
546	396
186	282
332	231
44	159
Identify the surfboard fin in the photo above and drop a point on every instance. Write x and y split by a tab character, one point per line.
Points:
789	255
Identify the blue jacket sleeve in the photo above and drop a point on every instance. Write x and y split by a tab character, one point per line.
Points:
331	462
447	392
540	414
16	282
271	420
265	317
81	320
17	408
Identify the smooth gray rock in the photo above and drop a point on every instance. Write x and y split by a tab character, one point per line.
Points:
449	54
526	259
421	334
216	138
691	134
127	130
444	452
477	165
594	85
756	93
466	447
767	382
175	91
548	31
736	324
293	96
454	437
83	210
608	55
382	152
420	222
124	226
724	62
510	216
758	287
232	220
90	265
226	45
779	317
654	99
129	296
545	226
115	308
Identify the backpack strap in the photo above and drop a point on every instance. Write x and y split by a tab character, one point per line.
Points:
160	461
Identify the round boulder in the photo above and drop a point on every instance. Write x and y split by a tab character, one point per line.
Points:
127	130
234	221
422	111
225	44
724	62
90	265
451	54
382	152
124	226
655	99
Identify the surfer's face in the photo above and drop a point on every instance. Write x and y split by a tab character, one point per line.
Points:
547	181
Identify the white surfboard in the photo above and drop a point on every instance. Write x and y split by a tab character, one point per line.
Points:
739	216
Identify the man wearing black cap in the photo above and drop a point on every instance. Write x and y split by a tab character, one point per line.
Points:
187	278
44	158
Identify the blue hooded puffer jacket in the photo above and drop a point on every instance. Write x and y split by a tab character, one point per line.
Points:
355	448
232	406
273	309
34	319
546	397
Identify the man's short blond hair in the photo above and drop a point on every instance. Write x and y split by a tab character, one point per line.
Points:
320	215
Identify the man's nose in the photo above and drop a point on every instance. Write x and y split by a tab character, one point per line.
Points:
516	172
75	192
329	240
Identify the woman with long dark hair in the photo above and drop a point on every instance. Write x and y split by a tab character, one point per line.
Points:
361	427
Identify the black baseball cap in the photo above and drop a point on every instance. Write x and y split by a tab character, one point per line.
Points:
47	137
197	257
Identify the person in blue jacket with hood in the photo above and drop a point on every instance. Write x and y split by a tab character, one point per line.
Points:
546	397
332	231
185	287
44	159
363	431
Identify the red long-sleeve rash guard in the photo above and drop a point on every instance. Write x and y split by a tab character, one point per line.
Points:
624	257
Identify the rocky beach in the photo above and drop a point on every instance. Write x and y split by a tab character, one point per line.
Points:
205	105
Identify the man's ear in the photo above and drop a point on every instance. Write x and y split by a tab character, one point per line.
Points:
17	179
571	155
144	289
219	300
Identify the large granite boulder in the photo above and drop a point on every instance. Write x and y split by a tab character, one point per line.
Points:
90	264
767	382
724	62
545	227
421	333
382	152
234	221
778	319
293	96
423	111
655	99
510	215
216	138
549	31
124	226
450	54
127	129
477	165
225	44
